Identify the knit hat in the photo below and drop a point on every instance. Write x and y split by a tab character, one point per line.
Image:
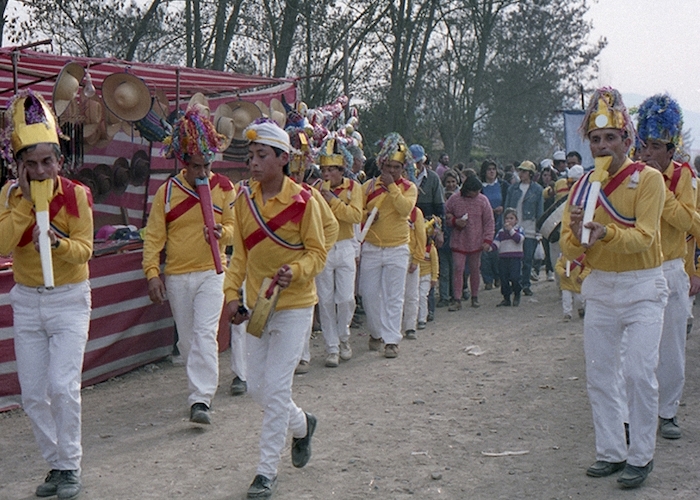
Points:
193	134
266	131
418	152
661	119
606	110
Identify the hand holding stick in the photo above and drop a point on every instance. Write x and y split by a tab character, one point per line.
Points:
598	176
41	192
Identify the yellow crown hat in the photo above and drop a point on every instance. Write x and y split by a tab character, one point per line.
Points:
327	158
606	110
33	122
299	157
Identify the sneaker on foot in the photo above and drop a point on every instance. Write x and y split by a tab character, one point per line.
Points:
669	429
488	286
302	367
199	414
375	344
550	276
567	318
421	325
410	334
604	469
455	306
516	299
527	291
632	475
69	487
50	485
443	303
504	303
345	350
475	301
431	316
262	487
301	447
534	275
238	386
332	360
391	351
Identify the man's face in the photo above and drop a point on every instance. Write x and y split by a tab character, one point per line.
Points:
357	164
609	142
334	175
420	166
571	161
265	166
445	160
560	165
393	168
524	176
196	168
40	163
656	154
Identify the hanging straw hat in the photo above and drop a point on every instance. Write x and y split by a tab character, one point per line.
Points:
200	102
67	86
242	113
92	111
140	165
223	122
278	112
126	96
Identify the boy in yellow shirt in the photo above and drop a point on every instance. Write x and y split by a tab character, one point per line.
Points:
571	275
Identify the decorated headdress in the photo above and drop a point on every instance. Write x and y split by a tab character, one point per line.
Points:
266	131
431	225
193	134
31	122
334	151
394	148
661	119
606	110
300	152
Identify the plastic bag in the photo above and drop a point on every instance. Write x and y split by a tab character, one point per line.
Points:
539	251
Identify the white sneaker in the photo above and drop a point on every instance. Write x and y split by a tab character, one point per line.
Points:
332	360
550	276
345	350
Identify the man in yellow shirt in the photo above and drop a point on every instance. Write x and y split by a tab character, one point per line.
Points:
50	323
336	283
278	233
659	126
385	253
192	285
625	292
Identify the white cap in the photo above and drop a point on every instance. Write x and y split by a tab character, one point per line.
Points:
559	156
266	131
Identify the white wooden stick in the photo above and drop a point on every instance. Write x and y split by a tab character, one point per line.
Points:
42	220
589	211
365	229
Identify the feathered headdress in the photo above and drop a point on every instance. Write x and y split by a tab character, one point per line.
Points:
193	134
334	151
394	148
606	110
660	118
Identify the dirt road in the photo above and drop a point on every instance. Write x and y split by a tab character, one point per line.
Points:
421	426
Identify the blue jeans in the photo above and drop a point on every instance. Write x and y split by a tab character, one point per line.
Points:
510	275
489	267
446	271
529	246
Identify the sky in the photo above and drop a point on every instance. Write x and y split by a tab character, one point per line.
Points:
653	46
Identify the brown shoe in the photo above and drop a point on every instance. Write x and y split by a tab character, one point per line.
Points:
391	351
455	306
475	301
375	344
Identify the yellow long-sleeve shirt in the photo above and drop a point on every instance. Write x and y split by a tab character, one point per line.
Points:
264	259
691	266
186	249
393	207
417	238
679	209
431	264
330	223
70	259
577	273
640	196
347	207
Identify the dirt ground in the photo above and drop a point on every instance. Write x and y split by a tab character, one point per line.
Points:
415	427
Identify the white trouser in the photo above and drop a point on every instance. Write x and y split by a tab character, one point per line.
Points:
621	334
306	353
382	285
423	292
272	359
410	299
671	370
196	300
569	300
51	332
238	350
335	286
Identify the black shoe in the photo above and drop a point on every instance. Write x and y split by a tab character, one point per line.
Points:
199	414
443	303
301	447
604	469
497	283
504	303
70	485
669	429
262	487
527	291
50	485
431	316
238	387
633	476
516	299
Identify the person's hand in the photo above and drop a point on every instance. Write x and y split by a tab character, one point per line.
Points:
439	238
412	268
460	223
498	210
386	178
156	290
576	221
507	226
327	195
598	232
694	285
655	165
23	180
218	232
35	237
486	247
433	284
579	280
235	313
284	276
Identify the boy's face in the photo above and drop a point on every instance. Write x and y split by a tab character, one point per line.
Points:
264	164
511	219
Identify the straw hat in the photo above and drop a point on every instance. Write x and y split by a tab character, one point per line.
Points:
126	96
278	112
120	175
242	113
67	86
200	102
92	113
263	108
223	121
140	166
